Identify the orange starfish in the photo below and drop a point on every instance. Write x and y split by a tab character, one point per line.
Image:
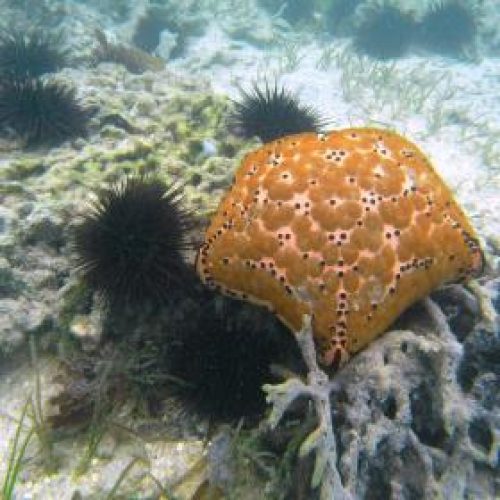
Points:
349	228
337	234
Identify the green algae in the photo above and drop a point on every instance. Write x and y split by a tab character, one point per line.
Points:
18	451
136	150
172	143
112	132
15	188
21	169
268	459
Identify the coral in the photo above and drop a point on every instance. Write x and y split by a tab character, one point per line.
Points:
135	60
449	27
30	53
322	439
270	113
406	402
130	243
42	111
384	32
351	227
44	227
479	367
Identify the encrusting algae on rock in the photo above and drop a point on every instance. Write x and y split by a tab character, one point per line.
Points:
350	228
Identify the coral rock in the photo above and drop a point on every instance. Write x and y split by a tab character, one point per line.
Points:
350	227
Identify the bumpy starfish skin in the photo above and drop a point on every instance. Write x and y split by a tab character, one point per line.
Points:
350	227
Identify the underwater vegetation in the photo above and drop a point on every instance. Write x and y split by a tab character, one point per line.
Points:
130	242
42	112
206	355
92	386
384	32
271	112
19	445
448	28
30	53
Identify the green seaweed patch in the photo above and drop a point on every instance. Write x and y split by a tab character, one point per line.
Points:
85	165
24	168
112	132
137	150
147	166
199	113
270	458
13	188
178	125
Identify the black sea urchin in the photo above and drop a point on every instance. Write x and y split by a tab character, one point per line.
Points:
448	28
130	243
271	113
223	362
41	111
30	53
384	32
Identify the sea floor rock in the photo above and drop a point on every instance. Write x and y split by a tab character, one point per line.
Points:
417	416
